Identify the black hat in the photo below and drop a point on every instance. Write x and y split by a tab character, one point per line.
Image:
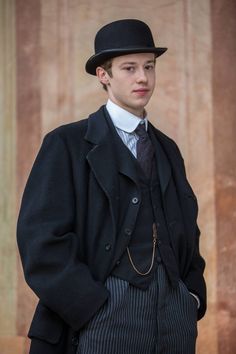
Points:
120	38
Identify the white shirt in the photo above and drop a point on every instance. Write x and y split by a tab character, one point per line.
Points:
125	124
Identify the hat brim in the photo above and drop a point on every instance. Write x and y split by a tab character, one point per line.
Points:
97	59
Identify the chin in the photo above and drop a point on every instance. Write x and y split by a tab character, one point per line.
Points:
141	105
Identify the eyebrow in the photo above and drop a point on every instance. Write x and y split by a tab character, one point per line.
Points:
134	62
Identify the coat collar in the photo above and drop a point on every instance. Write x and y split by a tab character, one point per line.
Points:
109	154
97	130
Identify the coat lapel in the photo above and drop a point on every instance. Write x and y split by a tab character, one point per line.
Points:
163	165
126	162
101	158
177	171
108	157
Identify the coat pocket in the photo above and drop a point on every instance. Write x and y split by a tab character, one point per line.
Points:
46	325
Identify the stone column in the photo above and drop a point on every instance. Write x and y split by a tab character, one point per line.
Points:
8	254
224	113
28	129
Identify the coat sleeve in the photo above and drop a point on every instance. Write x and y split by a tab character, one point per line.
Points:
194	279
47	242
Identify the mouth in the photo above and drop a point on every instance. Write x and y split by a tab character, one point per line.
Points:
141	91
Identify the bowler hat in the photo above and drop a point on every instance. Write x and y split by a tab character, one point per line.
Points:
119	38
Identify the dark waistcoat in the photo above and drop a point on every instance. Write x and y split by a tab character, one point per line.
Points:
141	245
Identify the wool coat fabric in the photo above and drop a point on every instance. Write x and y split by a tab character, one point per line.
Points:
68	232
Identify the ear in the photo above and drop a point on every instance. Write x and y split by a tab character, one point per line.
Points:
102	75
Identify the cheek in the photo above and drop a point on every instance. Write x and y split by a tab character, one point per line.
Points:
153	80
153	86
122	88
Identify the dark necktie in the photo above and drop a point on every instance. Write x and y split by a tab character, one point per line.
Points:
145	150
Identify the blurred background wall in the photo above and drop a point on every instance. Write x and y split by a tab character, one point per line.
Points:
43	47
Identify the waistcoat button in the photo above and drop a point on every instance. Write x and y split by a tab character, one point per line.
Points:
128	232
135	200
108	247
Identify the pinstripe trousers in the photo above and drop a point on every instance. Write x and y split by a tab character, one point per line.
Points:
159	320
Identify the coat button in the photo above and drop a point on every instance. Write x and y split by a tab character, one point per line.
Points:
108	247
135	200
118	262
128	232
75	341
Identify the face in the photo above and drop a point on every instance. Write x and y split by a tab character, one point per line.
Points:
132	82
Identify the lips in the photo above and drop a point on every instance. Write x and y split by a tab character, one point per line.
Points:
141	91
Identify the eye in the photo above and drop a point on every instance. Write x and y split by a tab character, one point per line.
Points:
129	68
149	67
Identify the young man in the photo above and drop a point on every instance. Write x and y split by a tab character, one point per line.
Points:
107	229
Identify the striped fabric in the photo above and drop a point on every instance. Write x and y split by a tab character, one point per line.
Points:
129	139
159	320
176	318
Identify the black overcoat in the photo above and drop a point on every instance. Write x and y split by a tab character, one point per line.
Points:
68	233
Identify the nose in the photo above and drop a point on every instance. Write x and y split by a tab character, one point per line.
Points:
141	76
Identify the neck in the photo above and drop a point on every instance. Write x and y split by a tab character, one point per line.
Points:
138	113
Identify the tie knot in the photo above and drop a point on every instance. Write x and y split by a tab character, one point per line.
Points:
141	130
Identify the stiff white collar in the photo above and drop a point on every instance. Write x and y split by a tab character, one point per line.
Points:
123	119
